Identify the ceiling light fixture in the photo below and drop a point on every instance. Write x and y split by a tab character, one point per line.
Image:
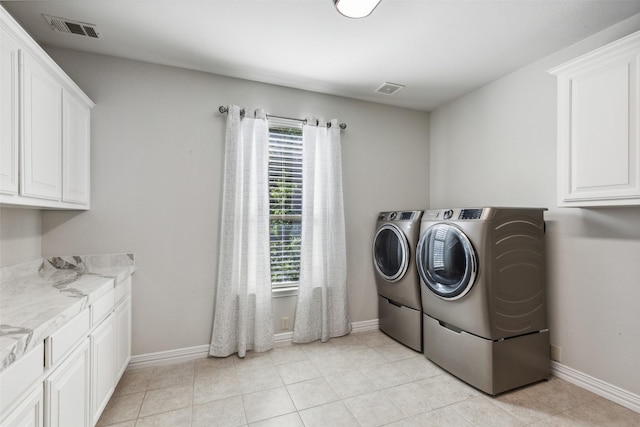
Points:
355	8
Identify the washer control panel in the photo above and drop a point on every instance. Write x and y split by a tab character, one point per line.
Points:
399	216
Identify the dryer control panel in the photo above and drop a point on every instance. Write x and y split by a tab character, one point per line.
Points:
454	214
470	214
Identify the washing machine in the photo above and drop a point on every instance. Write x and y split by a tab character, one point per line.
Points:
398	285
482	279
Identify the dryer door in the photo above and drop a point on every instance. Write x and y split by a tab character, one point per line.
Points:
447	262
390	252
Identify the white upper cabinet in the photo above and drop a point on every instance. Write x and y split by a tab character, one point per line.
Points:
45	127
76	118
42	132
598	120
9	108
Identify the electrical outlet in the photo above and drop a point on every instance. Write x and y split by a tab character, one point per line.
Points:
556	353
284	323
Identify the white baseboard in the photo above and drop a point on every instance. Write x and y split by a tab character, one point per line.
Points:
169	356
202	351
356	327
365	326
283	338
610	392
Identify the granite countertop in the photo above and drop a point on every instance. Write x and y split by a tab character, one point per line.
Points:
40	296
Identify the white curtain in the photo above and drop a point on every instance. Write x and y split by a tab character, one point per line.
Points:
322	309
243	318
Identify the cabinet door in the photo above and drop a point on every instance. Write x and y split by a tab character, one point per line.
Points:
20	377
603	144
67	391
29	413
9	112
42	137
103	356
598	126
75	150
123	333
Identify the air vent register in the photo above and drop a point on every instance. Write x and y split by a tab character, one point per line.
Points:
63	25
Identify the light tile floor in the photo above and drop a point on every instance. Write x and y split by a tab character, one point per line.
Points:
364	379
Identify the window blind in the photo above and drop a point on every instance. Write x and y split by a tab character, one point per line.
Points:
285	200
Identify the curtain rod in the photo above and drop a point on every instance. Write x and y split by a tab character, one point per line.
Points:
225	110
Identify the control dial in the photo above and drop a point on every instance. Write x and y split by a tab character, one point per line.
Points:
447	214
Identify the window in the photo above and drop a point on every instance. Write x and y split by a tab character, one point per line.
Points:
285	201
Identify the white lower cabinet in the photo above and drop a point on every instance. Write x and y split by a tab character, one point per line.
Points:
29	413
67	391
68	380
123	332
103	365
19	380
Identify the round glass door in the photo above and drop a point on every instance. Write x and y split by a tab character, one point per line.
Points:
447	262
390	252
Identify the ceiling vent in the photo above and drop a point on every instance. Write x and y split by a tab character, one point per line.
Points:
389	88
72	27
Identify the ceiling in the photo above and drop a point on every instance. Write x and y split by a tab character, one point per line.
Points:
438	49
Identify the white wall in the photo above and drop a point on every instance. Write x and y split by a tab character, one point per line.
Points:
157	156
20	235
497	146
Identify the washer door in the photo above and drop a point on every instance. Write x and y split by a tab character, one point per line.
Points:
390	252
447	262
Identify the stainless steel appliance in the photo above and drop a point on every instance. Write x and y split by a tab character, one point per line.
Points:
482	276
399	304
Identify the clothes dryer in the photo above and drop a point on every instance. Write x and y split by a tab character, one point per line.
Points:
398	285
482	276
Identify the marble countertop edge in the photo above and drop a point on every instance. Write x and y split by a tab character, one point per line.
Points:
40	296
25	337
